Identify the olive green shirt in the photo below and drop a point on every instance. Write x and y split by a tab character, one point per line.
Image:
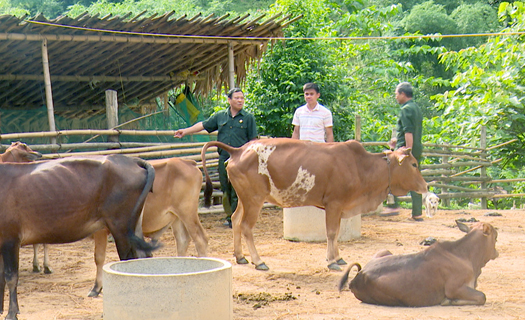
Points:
410	121
233	131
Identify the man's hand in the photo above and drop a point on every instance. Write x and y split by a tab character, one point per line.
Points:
179	133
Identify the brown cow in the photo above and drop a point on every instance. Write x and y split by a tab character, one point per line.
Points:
174	202
445	273
20	152
340	177
66	200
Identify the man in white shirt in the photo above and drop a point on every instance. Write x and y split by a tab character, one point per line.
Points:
312	121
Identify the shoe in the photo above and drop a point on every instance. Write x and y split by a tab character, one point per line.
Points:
387	212
417	218
227	223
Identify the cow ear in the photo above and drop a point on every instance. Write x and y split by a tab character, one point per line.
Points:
401	157
463	227
486	229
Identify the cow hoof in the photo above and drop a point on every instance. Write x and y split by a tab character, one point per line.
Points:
341	262
48	270
262	267
36	269
94	293
334	266
242	261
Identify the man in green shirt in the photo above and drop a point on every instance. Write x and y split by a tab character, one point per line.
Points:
409	131
235	127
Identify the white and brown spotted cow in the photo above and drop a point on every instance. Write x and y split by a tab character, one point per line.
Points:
340	177
445	273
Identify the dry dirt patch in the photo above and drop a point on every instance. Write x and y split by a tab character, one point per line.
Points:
298	285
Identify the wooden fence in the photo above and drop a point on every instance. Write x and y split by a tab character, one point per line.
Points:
453	172
459	172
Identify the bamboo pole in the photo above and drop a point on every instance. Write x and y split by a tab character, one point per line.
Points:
447	165
45	134
49	92
130	152
476	168
157	78
176	39
231	66
110	145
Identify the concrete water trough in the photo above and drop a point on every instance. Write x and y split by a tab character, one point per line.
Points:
308	224
168	288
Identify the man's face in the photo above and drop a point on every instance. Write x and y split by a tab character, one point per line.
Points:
400	97
311	96
237	101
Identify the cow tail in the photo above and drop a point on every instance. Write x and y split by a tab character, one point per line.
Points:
137	242
344	278
208	188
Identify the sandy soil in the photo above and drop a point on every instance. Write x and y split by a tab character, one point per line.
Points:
298	285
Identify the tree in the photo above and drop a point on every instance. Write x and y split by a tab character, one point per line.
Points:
488	90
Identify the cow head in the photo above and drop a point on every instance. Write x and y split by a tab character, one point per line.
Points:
404	174
487	235
20	152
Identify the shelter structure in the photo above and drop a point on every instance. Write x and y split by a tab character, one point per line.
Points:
67	64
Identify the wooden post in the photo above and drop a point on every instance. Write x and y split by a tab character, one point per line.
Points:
49	92
444	159
231	65
483	156
358	127
112	112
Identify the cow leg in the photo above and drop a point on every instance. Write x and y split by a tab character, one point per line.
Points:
244	223
237	235
333	223
101	243
36	263
47	268
2	283
181	236
10	254
193	226
463	296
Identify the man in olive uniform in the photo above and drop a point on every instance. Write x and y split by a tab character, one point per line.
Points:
235	127
409	131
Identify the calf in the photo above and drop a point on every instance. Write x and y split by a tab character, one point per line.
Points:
174	203
431	204
445	273
341	177
66	200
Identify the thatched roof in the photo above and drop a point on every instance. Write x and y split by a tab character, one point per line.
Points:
84	62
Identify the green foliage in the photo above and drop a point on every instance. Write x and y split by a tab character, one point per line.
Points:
489	90
104	7
275	90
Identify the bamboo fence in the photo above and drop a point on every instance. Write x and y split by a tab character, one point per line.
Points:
454	172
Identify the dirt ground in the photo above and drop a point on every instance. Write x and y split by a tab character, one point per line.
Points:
298	285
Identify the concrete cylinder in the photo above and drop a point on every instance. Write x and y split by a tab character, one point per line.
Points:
168	288
308	224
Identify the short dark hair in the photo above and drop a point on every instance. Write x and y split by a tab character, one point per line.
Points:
406	88
232	91
311	85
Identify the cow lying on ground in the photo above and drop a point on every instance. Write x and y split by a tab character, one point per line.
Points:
174	202
66	200
20	152
444	274
341	177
